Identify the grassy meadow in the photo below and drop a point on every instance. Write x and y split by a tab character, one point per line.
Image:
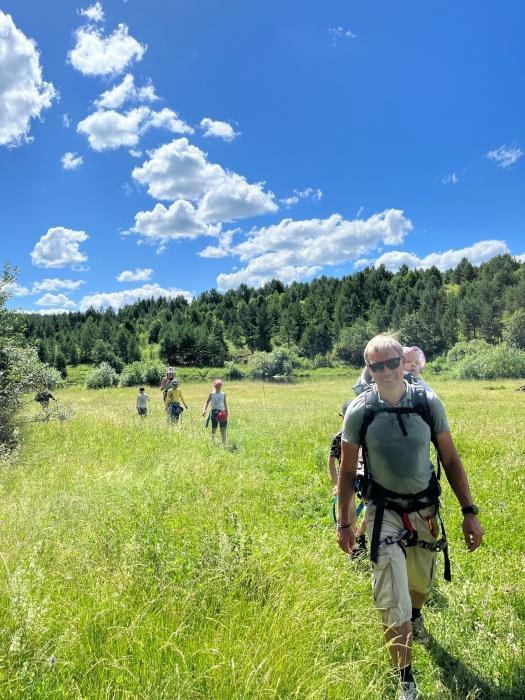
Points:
141	561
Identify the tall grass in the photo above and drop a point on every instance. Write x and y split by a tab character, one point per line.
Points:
141	561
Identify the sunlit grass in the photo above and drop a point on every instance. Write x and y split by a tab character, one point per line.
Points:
141	561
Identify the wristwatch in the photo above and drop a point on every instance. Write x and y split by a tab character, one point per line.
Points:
466	510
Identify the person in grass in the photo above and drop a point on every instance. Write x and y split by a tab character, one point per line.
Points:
414	361
174	401
219	410
334	459
401	497
142	403
44	397
166	382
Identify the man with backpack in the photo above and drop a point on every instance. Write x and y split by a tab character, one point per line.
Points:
394	422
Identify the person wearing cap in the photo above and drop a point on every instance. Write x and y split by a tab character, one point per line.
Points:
166	382
174	401
334	459
219	410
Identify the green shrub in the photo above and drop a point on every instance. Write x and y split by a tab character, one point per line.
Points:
263	365
132	375
233	371
153	373
465	348
102	377
493	362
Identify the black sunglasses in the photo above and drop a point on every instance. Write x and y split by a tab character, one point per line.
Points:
392	363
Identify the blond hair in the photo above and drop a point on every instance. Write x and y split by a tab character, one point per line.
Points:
382	343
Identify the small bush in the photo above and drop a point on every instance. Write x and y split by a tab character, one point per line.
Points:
492	362
233	371
263	365
464	349
322	361
50	376
132	375
102	377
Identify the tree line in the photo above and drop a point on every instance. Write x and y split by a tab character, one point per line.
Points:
325	317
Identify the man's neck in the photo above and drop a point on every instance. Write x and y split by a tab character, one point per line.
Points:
393	394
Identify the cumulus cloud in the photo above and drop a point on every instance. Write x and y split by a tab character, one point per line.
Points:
14	289
138	275
124	92
163	224
95	13
309	193
234	198
23	92
520	258
179	170
51	284
221	130
450	179
108	130
299	249
129	296
56	300
505	156
96	54
59	247
70	161
478	253
224	247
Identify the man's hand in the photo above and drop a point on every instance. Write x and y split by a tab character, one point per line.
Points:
346	538
472	531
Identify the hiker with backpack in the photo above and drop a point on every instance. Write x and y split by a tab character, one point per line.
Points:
219	410
394	422
173	402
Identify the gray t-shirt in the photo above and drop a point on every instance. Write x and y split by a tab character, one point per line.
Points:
399	463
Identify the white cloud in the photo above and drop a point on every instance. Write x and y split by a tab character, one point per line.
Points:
96	54
66	121
70	161
14	289
56	300
179	170
108	130
338	33
505	156
49	312
129	296
221	130
520	258
478	253
223	249
59	247
123	92
138	275
450	179
299	249
95	13
51	284
309	193
162	224
234	198
23	93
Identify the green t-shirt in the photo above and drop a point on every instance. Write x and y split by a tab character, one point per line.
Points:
399	463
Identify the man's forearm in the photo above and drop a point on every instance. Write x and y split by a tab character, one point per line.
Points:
457	478
345	491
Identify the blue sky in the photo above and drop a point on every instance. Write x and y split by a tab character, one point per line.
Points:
155	147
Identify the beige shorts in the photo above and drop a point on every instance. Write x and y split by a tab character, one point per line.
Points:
394	575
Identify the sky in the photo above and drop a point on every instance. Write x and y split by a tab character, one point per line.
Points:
166	147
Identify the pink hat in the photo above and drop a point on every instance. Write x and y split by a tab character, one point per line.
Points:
217	382
419	352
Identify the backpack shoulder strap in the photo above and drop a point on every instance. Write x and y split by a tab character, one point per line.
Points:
369	413
420	399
